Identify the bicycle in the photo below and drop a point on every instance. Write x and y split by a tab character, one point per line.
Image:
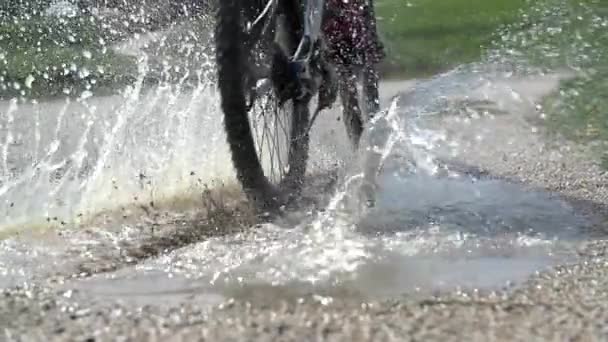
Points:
270	66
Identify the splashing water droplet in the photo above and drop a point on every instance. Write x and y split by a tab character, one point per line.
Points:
29	80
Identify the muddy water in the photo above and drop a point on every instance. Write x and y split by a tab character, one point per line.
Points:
401	220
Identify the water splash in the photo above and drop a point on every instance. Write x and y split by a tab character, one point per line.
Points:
401	219
430	227
64	160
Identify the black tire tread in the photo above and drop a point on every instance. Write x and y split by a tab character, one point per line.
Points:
232	62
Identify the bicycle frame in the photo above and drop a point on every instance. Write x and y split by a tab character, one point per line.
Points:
301	22
313	18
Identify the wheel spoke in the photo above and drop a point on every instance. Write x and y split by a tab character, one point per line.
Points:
272	137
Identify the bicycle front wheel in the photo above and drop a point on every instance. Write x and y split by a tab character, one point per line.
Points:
268	140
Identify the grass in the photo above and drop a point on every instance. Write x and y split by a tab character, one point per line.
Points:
67	56
183	54
424	37
579	109
42	57
573	34
47	57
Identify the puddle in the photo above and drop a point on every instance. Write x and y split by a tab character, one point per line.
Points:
431	228
423	236
469	206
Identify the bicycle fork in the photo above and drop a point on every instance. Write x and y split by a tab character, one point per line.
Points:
298	67
313	17
302	59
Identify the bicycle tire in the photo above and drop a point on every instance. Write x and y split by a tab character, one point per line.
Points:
232	58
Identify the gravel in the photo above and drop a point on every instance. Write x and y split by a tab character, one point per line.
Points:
569	302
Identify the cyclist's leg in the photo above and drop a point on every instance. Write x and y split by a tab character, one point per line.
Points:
375	54
328	90
350	101
371	92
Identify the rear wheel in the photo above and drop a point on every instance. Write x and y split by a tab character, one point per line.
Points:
268	140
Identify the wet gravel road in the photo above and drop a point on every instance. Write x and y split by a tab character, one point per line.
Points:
568	302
